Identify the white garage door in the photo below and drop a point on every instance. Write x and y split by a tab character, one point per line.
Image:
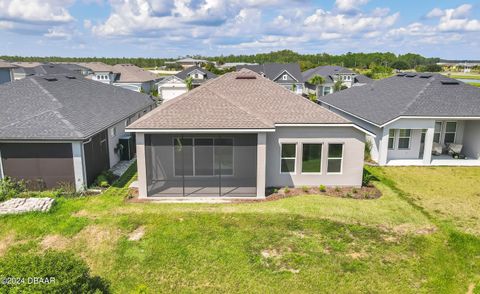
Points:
170	93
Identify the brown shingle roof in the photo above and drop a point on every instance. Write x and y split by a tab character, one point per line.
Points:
98	66
4	64
133	74
248	102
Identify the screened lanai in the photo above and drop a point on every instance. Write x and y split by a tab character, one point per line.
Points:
203	165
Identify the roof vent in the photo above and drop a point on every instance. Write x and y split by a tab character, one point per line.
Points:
452	82
411	75
246	77
50	79
70	77
401	74
425	76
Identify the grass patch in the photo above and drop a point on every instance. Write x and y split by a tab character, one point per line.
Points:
475	84
470	77
298	244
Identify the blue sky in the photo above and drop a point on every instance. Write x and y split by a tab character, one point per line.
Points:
160	28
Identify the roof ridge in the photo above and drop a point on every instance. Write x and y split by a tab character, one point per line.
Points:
67	123
417	96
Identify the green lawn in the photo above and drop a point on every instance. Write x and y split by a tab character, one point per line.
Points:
299	244
470	77
475	84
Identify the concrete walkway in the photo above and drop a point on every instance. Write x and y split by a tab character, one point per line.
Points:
120	168
22	205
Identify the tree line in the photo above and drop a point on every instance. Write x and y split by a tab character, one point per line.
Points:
306	61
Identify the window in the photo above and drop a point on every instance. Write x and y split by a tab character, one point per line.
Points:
391	138
312	158
326	90
288	158
335	155
450	132
285	77
203	156
348	78
404	139
437	132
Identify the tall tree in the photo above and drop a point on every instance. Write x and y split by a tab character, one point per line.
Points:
317	81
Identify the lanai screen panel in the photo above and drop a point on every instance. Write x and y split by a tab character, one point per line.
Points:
201	165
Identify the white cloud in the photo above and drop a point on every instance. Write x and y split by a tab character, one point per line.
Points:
35	11
349	5
436	12
58	33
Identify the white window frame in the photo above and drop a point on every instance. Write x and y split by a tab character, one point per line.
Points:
193	157
454	133
394	137
400	137
322	144
113	131
285	77
341	158
295	158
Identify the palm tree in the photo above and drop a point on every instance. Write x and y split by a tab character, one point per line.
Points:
189	83
317	81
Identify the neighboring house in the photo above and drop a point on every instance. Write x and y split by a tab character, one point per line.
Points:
332	74
101	72
6	72
414	115
228	65
240	133
21	72
135	78
286	74
189	62
63	128
174	86
24	69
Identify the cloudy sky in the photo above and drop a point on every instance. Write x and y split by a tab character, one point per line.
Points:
172	28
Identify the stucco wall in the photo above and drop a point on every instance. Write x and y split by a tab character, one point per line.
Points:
471	139
352	165
5	75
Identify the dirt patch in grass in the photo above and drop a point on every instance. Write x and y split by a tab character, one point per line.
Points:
369	192
95	236
358	255
56	242
137	234
5	243
471	287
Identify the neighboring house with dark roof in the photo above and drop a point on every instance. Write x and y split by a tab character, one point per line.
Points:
414	115
288	75
332	74
25	69
64	128
173	86
6	72
240	133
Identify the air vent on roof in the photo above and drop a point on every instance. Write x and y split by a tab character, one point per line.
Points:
245	77
453	82
411	75
50	79
70	77
425	76
401	74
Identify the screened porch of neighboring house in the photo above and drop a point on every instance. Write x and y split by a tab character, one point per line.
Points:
201	165
444	142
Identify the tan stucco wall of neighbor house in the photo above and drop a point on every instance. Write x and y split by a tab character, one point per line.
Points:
353	142
471	139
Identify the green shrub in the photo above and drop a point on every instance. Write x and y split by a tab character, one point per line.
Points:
322	188
337	189
354	190
286	190
305	189
105	179
367	156
52	272
349	195
367	178
10	188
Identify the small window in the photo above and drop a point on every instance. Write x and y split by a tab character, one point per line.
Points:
288	158
335	156
438	132
404	139
450	132
391	138
285	77
326	90
312	158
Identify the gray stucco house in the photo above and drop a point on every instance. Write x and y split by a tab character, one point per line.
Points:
332	74
240	133
418	119
175	85
63	128
287	75
6	72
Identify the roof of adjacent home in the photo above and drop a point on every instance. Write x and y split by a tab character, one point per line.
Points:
98	66
130	73
408	94
4	64
184	73
273	71
236	100
60	107
328	71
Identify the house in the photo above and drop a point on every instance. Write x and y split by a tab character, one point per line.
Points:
40	69
64	128
24	69
332	74
189	62
175	85
101	72
6	72
286	74
240	133
228	65
414	115
135	78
